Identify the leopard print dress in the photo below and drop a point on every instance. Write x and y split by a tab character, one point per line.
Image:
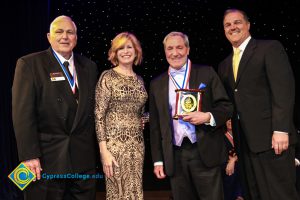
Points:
119	106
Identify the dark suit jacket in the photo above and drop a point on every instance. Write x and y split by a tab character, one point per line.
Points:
263	93
210	140
48	123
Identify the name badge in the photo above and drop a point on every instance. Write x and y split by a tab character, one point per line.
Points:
57	76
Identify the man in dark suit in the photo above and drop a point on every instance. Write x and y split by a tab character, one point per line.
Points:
259	80
189	150
53	104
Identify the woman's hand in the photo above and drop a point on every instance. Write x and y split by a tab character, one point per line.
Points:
144	119
230	165
108	163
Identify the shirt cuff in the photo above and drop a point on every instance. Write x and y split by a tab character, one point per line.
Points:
212	121
280	132
158	163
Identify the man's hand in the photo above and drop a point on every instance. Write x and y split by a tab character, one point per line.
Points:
35	166
159	171
197	118
280	142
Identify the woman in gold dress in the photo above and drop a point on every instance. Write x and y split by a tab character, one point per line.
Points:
120	100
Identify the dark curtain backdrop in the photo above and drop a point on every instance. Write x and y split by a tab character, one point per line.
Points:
24	26
25	23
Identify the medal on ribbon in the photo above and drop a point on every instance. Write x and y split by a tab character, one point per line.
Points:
71	80
187	100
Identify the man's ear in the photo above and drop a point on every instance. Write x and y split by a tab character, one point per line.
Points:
48	36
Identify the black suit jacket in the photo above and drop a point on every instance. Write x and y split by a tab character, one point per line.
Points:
210	140
48	123
263	93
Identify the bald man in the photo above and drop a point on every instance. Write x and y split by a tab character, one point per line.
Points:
53	99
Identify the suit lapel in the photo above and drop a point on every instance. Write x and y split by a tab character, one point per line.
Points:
193	79
62	87
229	71
246	56
82	77
164	93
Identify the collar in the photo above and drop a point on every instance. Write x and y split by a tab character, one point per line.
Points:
242	47
178	71
62	59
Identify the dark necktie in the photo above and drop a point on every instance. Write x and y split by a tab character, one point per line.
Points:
66	64
76	93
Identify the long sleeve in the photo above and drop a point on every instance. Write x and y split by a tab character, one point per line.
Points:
221	106
24	112
282	86
102	99
155	134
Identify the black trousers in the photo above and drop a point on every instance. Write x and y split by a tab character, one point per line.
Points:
62	189
265	175
192	180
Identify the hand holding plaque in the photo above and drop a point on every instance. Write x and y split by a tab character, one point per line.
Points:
187	100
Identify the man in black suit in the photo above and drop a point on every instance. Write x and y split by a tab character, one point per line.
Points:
53	104
189	150
261	85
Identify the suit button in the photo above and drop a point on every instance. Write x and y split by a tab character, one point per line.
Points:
235	90
59	99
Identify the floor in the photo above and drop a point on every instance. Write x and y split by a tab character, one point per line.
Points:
148	195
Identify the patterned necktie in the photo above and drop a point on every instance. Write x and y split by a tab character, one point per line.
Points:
76	92
235	61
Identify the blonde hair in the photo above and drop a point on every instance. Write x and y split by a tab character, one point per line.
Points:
119	41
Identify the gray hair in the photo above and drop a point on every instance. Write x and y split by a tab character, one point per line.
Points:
59	18
174	33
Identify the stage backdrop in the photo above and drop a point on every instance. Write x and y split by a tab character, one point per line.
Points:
98	22
150	20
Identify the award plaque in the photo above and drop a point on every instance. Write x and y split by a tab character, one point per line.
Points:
187	100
